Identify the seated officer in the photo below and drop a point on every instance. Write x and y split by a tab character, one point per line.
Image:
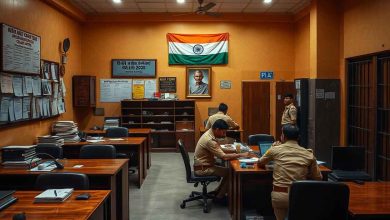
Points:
221	114
291	162
204	161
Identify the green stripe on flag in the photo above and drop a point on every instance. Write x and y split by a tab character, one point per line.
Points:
220	58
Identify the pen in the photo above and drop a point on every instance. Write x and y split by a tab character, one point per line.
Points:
55	192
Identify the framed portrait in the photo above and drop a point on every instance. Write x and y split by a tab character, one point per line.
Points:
198	82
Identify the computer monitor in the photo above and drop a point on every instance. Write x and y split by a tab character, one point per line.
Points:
264	147
348	158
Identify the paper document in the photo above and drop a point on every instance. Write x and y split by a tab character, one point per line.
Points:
116	139
54	195
94	141
249	160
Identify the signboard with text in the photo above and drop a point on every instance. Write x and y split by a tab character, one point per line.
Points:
167	84
267	75
127	68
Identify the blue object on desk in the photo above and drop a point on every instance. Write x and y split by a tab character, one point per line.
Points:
243	165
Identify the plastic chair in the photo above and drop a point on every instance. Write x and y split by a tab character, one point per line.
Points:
97	152
77	181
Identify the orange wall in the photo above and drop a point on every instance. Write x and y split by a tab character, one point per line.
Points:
252	47
302	47
365	29
37	17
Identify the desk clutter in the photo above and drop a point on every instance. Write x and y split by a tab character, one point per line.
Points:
66	130
6	198
19	156
53	195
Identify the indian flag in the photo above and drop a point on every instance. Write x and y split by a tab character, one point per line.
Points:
198	49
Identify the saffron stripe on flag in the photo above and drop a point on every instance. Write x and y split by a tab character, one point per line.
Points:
188	49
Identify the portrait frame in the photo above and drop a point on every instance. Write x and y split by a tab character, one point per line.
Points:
193	91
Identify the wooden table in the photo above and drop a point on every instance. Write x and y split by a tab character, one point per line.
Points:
72	150
109	174
251	188
369	201
235	134
93	208
133	132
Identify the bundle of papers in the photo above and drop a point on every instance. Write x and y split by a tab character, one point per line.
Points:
66	130
54	195
52	139
249	160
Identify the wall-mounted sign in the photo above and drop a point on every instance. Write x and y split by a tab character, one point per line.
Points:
267	75
225	84
126	68
167	84
21	51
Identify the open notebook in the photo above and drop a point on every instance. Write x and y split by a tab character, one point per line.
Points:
53	195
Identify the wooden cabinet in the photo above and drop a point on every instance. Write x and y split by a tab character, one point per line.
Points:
169	121
84	91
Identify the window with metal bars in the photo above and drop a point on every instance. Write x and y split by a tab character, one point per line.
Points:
368	107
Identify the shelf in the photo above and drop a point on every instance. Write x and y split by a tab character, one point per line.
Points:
162	111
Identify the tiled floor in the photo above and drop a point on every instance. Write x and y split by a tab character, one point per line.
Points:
164	189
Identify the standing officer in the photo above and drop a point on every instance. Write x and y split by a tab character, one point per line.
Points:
291	162
290	111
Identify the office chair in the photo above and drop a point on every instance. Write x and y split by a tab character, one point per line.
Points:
78	181
191	178
320	200
118	132
97	152
51	149
256	138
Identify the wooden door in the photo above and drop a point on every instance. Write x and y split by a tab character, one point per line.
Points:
255	108
282	88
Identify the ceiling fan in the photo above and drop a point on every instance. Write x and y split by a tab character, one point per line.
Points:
204	10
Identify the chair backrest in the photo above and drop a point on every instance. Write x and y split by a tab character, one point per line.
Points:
254	139
97	152
51	149
117	132
62	180
186	159
348	158
320	200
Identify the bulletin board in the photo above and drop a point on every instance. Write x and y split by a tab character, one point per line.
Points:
30	88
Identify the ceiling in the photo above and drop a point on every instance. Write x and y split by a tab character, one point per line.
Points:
95	7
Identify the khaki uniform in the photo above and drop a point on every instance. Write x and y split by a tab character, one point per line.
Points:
291	162
289	114
220	115
206	148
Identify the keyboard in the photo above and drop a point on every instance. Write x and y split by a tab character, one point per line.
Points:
350	175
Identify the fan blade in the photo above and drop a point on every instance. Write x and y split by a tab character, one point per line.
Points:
208	6
214	14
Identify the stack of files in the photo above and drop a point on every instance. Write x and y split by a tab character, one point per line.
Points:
53	195
66	130
19	156
51	139
6	198
110	123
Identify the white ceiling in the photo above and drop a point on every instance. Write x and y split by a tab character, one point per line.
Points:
151	6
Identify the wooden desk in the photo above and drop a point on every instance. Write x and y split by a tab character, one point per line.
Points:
369	201
72	150
93	208
235	134
133	132
251	188
109	174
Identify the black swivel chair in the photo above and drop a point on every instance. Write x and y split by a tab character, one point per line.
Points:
256	138
48	148
191	178
77	181
320	200
119	132
97	152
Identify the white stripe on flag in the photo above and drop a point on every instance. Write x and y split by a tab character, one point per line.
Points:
188	49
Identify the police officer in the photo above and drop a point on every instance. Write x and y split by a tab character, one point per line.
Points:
207	149
290	111
222	114
291	162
